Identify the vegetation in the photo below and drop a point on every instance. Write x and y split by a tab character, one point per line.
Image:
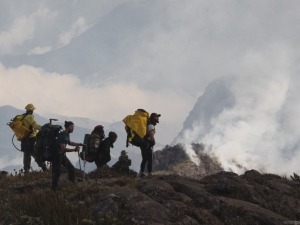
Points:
28	199
295	177
106	196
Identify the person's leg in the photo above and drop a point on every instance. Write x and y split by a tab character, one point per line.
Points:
31	143
71	169
99	163
149	157
98	159
56	163
106	159
41	164
26	154
144	161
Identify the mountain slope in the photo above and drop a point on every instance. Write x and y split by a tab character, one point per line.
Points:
108	197
216	98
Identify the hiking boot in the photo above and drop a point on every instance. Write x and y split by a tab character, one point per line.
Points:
105	166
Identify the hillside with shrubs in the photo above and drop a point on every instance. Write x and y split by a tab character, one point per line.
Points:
105	196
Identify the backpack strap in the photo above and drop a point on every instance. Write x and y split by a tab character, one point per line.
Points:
128	135
30	127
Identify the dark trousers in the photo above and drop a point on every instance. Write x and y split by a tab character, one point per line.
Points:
27	147
102	161
147	156
58	161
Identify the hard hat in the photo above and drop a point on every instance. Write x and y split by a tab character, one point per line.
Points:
30	107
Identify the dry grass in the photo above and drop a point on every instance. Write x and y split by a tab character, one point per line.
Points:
28	199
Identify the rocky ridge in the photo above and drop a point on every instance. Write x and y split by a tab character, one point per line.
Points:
109	197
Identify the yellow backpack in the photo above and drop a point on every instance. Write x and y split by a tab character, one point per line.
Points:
20	130
136	127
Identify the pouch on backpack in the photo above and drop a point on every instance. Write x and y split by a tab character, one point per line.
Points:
20	130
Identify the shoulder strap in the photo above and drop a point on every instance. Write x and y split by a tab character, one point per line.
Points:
24	115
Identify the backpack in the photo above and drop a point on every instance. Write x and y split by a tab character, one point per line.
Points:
84	154
20	130
92	144
136	127
46	138
133	138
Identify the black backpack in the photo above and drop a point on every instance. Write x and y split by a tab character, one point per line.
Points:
85	149
133	138
89	150
45	145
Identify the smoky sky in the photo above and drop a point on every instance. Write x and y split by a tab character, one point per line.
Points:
164	56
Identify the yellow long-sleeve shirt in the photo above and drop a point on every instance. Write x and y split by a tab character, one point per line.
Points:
29	121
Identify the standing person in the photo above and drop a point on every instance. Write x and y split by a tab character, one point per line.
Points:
27	144
104	154
147	148
60	157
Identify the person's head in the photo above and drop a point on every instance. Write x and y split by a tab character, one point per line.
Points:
112	136
69	126
29	108
123	152
154	118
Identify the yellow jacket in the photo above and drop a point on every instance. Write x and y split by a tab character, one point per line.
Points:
138	122
30	123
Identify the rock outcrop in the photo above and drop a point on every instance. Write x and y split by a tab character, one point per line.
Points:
175	160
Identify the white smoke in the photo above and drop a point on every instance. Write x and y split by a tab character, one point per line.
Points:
250	121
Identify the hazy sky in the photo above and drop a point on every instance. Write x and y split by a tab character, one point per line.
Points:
179	48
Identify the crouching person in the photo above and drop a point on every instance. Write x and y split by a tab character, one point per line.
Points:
103	156
60	157
123	164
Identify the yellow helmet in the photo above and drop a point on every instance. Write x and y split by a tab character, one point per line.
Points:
30	107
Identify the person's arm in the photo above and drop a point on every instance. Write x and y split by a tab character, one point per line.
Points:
63	141
64	148
151	137
30	122
35	125
75	144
